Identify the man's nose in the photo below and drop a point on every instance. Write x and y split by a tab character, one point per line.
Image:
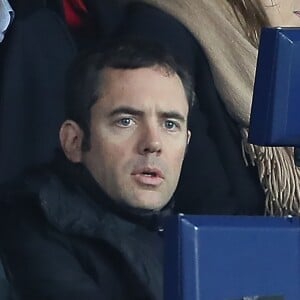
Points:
150	140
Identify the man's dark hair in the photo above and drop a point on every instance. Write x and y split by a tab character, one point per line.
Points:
83	84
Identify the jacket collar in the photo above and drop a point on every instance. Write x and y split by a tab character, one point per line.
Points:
74	202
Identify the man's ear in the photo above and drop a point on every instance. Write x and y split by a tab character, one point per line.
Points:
71	137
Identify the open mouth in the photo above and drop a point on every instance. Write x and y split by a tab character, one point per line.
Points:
149	177
150	174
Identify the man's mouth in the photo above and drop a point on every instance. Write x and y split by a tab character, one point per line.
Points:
148	176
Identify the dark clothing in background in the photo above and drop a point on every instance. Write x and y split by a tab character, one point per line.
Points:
63	238
215	179
37	51
34	56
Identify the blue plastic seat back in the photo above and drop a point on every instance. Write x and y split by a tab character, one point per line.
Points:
216	257
275	111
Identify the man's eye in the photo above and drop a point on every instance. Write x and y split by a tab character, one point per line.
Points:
125	122
171	125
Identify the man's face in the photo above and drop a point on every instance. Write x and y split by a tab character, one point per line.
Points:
285	13
138	136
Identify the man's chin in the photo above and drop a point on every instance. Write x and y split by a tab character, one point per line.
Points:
149	200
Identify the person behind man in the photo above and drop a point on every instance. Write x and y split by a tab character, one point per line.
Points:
87	226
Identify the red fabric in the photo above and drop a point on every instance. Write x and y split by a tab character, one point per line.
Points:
76	13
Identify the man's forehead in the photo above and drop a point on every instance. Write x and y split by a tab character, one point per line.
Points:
146	80
148	88
123	73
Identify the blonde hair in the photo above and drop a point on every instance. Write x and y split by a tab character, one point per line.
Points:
252	17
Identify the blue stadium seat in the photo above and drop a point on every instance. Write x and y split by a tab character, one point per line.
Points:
234	258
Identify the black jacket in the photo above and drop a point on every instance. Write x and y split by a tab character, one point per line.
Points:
62	238
34	56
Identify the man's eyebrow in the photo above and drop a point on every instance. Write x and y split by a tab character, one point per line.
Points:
136	112
173	115
126	110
